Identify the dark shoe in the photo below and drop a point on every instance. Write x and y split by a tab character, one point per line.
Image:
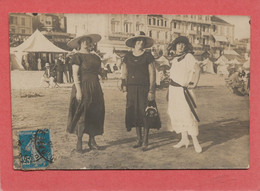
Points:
92	144
138	144
145	147
145	141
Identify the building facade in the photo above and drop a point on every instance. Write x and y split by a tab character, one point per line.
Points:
54	27
203	31
20	28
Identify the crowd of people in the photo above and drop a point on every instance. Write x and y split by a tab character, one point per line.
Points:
87	108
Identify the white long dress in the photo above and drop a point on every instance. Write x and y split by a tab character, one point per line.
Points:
179	111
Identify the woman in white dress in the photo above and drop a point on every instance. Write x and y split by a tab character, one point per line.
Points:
184	75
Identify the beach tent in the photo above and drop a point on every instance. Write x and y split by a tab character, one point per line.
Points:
161	64
37	42
246	65
111	59
16	61
208	66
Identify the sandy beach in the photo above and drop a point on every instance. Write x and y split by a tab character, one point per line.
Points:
224	128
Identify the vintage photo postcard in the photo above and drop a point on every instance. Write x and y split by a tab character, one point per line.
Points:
125	91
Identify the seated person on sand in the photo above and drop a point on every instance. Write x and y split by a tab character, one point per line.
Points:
47	77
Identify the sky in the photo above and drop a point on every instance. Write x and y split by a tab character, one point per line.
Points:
242	26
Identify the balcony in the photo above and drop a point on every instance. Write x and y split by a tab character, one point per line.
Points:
119	36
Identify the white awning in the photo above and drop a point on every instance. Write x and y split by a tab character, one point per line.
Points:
220	38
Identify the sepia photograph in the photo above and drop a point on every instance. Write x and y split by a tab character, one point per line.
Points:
129	91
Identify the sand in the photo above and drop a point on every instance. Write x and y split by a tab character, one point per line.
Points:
224	128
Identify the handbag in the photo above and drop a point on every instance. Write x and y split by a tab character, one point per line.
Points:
152	115
151	110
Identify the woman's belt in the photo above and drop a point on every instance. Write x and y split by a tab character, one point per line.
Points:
188	98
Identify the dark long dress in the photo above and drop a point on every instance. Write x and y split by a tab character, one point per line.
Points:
88	115
138	84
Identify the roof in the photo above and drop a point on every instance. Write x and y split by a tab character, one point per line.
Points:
37	42
233	57
218	20
230	52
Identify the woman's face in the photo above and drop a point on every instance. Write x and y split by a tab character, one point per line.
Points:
86	43
180	47
139	43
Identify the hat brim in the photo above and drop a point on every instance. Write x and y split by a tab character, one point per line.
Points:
130	42
180	39
74	43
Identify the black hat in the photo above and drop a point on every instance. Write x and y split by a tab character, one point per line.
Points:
180	39
130	42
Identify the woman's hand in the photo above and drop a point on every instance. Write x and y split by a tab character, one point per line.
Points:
78	96
191	85
151	96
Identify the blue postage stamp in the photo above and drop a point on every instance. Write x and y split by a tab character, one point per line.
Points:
35	149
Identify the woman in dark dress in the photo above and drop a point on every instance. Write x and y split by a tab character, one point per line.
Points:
87	110
138	79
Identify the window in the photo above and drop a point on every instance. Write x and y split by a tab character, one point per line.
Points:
158	22
161	22
203	28
13	20
127	27
154	21
150	34
214	28
158	34
137	27
175	25
165	23
23	21
200	17
150	21
204	41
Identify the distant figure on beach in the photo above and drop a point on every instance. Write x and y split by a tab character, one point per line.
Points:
184	75
138	79
115	68
87	108
48	76
59	68
39	64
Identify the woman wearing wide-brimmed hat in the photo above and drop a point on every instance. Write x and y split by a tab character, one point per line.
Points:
184	75
138	76
87	110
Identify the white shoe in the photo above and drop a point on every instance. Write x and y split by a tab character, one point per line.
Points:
182	143
198	148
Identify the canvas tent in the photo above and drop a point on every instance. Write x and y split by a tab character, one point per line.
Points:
37	42
161	64
208	66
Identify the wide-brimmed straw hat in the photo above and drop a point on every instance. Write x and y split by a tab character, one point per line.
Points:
180	39
74	43
130	42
